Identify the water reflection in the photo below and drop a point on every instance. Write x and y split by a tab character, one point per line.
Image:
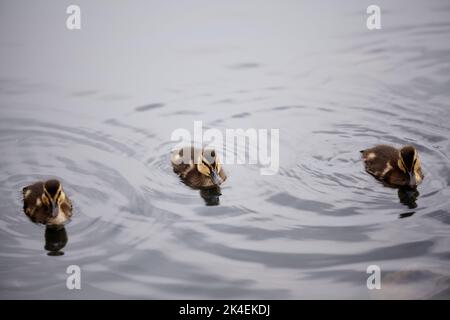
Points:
211	196
406	215
55	240
408	197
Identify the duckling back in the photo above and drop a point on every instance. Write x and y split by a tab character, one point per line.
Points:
378	160
184	159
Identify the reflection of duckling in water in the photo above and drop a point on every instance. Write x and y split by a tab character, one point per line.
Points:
408	197
198	168
397	168
211	196
46	203
55	240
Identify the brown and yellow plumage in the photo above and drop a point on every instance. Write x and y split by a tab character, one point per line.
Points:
198	168
395	167
47	203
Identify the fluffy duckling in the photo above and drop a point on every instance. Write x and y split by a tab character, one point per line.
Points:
399	168
198	168
46	203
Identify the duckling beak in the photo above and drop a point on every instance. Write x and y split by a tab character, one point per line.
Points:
412	179
215	178
55	209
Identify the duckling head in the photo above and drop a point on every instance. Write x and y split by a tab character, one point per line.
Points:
53	195
409	163
209	165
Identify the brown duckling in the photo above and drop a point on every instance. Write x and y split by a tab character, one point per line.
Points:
395	167
46	203
198	168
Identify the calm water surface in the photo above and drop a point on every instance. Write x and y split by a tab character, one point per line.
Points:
96	109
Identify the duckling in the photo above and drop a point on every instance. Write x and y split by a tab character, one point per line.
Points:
47	203
395	167
198	168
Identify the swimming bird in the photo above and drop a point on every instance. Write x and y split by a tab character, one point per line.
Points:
198	168
47	203
399	168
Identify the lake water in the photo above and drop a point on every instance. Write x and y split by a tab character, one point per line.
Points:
96	108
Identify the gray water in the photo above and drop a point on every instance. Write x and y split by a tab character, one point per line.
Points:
96	108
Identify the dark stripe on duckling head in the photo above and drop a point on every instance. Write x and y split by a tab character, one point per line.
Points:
212	167
206	164
52	187
408	155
